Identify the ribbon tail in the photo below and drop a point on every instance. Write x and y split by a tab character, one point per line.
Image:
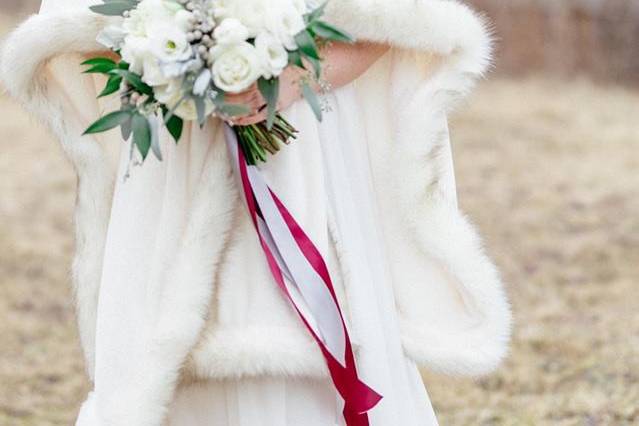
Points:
290	253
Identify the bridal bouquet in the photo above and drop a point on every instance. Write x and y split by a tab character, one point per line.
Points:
176	60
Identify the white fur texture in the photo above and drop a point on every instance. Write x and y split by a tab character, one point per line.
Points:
23	59
430	240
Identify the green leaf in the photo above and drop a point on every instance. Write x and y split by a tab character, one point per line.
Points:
317	66
112	86
295	58
317	13
312	100
270	90
134	80
200	107
155	136
100	68
108	122
141	134
175	125
113	8
307	45
233	110
329	32
126	129
99	61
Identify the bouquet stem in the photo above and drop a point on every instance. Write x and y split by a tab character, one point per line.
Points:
257	140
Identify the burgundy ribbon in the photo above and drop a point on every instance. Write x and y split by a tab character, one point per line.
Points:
358	397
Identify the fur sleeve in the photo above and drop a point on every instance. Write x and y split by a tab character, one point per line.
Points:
33	70
454	313
441	27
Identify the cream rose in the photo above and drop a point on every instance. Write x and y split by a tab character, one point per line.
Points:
235	67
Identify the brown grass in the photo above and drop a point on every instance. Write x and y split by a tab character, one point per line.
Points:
548	171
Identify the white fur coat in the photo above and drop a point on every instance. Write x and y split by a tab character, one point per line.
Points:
453	312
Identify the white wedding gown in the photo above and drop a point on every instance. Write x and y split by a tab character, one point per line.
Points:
341	186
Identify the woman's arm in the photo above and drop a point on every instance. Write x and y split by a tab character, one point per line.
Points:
342	63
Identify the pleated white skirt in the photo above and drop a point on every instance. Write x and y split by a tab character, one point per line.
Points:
270	401
339	143
264	401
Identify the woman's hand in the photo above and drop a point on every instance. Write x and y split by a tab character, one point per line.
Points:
290	92
342	63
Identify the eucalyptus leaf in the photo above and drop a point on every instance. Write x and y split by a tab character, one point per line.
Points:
141	134
126	129
233	110
202	82
155	136
295	58
317	12
307	45
270	90
200	107
113	8
312	100
317	66
329	32
108	122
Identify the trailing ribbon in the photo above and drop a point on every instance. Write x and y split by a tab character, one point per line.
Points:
301	273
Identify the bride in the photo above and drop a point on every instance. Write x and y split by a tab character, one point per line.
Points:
180	321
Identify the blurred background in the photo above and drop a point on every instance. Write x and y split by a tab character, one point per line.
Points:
547	154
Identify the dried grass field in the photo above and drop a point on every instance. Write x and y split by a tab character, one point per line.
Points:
549	172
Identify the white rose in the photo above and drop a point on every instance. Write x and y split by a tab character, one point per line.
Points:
250	13
230	31
236	67
171	94
272	53
285	24
134	51
301	6
152	73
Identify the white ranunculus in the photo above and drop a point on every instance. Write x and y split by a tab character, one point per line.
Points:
236	67
230	31
272	53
